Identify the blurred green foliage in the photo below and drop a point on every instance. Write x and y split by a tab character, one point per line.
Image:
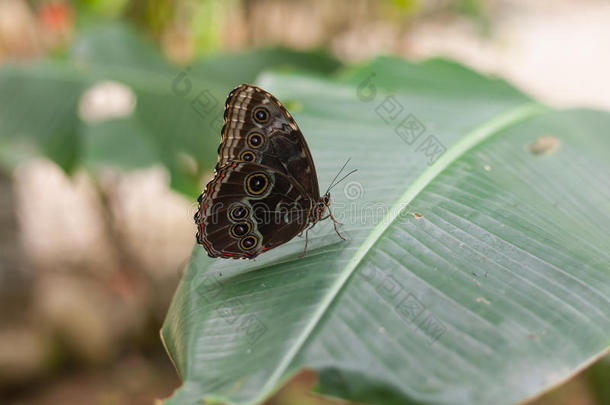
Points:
205	21
202	19
100	8
178	111
474	10
598	376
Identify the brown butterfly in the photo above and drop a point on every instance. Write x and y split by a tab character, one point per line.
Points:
265	188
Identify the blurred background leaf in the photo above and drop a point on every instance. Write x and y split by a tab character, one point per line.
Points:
599	376
177	115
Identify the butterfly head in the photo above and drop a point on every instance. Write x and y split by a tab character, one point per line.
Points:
320	207
326	199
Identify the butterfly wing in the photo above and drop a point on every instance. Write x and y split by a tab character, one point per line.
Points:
249	208
258	129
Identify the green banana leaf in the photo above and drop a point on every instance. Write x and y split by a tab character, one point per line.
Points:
476	266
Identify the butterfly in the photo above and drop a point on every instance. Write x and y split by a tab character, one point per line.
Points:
265	188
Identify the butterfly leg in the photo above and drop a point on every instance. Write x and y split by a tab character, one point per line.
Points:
307	238
330	216
335	222
300	234
306	241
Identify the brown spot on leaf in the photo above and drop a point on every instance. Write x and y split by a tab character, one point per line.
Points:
417	215
544	146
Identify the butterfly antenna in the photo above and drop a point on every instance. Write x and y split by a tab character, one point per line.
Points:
342	178
332	183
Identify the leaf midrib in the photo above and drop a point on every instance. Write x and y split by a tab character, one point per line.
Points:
468	142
